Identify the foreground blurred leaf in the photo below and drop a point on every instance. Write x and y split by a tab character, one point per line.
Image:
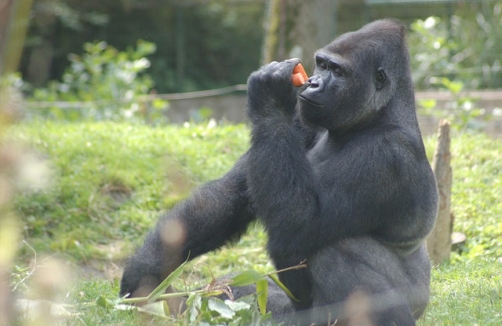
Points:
165	284
246	278
262	292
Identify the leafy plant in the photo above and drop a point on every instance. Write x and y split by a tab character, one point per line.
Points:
204	307
102	84
461	110
435	65
430	49
465	47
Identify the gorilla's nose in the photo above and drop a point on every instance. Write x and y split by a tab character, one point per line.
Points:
316	82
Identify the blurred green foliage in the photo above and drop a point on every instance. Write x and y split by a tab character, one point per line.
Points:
104	84
217	43
465	48
201	44
430	48
461	110
433	51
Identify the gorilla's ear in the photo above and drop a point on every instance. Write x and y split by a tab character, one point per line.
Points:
380	78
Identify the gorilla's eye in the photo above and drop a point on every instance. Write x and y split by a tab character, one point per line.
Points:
337	70
321	62
322	65
380	78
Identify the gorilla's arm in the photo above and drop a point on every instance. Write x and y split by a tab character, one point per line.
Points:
280	179
215	214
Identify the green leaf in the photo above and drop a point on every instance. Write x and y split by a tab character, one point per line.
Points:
282	286
159	104
167	311
453	86
427	104
155	308
101	301
262	292
165	284
237	305
220	307
194	303
246	278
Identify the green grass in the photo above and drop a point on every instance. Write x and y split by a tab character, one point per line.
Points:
111	181
477	192
467	292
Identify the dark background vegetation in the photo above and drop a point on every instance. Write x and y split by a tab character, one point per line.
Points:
200	44
206	44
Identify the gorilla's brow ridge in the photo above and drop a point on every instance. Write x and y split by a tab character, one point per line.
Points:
339	59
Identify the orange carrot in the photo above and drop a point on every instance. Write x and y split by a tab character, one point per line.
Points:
299	76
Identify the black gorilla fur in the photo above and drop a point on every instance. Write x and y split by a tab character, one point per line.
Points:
336	172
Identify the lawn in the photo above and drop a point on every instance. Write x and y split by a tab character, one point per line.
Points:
109	183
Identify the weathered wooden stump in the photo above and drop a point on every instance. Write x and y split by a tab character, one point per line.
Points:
439	241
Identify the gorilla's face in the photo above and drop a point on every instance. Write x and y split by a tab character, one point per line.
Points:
350	82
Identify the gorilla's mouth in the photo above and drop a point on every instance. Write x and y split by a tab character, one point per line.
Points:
309	102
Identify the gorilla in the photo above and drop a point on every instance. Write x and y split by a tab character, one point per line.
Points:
338	175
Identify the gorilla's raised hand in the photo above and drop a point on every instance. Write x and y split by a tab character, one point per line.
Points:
270	91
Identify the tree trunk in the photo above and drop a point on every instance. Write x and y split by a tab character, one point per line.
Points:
14	20
14	17
297	28
439	241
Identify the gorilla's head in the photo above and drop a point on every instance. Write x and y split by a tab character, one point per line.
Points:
356	76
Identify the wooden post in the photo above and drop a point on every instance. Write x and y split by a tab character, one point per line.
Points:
439	241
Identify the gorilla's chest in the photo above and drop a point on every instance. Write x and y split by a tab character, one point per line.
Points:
323	153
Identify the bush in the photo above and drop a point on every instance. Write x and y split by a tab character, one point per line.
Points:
102	84
465	48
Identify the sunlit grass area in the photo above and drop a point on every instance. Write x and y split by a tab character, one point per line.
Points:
110	182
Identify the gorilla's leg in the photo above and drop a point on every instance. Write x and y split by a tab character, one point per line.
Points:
360	279
417	267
